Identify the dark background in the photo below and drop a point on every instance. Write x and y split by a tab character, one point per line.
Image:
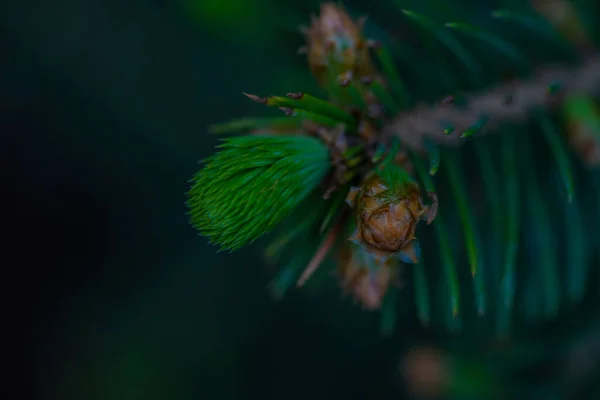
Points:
108	293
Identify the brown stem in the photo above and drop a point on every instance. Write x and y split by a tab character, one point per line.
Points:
508	103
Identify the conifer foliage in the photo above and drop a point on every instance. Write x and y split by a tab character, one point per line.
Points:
464	165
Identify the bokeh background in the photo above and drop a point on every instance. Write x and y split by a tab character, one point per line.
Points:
108	293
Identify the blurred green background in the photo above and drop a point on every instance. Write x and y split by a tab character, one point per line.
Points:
109	294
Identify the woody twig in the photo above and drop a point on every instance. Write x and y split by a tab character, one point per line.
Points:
486	111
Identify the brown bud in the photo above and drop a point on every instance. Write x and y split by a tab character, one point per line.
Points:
387	217
336	45
364	277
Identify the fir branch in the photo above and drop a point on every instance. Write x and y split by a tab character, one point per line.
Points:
508	103
253	183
